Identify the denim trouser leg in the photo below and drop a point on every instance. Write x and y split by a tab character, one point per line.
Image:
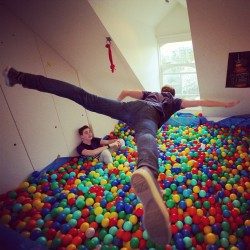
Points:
112	108
146	127
142	117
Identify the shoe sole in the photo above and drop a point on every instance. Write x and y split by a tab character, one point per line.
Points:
6	78
156	217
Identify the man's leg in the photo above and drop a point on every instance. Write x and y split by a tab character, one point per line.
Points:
91	102
106	157
144	180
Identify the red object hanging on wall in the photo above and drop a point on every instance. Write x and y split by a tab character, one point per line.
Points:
108	46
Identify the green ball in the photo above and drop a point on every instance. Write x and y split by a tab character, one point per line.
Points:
224	242
134	242
102	233
225	226
108	239
127	226
170	203
188	242
199	238
206	204
56	242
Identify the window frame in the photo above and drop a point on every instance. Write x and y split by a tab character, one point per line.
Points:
162	40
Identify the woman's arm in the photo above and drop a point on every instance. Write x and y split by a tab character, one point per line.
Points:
136	94
207	103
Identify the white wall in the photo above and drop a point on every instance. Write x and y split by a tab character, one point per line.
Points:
35	127
175	23
135	39
218	28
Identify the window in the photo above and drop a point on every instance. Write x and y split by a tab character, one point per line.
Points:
177	69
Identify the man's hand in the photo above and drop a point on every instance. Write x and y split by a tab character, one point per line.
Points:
115	145
231	104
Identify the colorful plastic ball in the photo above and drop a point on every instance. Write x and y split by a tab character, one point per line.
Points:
199	238
36	233
188	220
108	238
134	242
180	244
127	226
187	242
41	240
90	232
210	238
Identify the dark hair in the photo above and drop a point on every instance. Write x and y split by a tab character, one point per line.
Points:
80	130
169	89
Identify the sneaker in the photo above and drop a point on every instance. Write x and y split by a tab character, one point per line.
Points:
156	217
10	76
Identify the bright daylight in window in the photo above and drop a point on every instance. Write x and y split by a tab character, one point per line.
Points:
178	69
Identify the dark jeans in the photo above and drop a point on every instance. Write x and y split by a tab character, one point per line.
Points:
139	115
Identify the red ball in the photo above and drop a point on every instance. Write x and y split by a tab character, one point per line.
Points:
50	234
142	244
174	229
174	218
205	221
73	231
77	240
66	239
71	201
126	236
139	212
196	219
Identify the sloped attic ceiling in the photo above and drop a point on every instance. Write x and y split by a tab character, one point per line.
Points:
74	30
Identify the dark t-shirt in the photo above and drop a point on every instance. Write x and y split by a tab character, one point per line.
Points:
164	102
95	143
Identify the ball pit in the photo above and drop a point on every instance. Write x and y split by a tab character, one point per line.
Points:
84	204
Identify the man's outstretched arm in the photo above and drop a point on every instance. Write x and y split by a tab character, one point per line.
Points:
207	103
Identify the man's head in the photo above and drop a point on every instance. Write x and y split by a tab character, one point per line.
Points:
85	133
169	89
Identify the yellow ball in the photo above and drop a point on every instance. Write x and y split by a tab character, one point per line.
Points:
247	223
176	198
97	204
210	238
90	201
228	186
113	215
189	202
199	212
25	184
233	196
211	220
71	247
120	223
77	181
26	207
98	210
103	182
31	189
196	189
232	239
84	227
105	222
71	195
133	219
207	229
5	219
37	195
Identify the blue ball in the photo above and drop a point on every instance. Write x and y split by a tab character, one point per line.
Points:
65	228
35	234
183	204
180	244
